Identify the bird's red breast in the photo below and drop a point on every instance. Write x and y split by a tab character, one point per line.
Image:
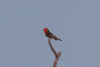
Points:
45	30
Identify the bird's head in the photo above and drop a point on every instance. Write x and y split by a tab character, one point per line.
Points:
45	29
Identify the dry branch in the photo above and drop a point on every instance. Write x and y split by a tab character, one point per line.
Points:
56	55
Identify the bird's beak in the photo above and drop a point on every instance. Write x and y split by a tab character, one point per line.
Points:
43	30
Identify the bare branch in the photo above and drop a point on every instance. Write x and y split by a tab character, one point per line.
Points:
56	55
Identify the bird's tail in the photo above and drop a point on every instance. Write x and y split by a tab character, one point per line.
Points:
57	39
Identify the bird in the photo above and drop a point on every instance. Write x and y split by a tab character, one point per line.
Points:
49	34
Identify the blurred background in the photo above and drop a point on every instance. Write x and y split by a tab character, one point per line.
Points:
75	22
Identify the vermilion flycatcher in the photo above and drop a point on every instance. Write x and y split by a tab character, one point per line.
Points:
49	34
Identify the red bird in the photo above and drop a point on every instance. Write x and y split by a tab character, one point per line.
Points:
49	34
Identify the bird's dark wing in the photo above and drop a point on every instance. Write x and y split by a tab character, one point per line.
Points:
49	34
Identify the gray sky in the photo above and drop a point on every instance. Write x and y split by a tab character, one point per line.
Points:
23	43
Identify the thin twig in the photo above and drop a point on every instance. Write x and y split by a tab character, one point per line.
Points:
56	55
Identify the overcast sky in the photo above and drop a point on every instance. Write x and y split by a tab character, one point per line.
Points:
75	22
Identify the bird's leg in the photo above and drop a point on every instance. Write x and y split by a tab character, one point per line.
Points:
49	38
